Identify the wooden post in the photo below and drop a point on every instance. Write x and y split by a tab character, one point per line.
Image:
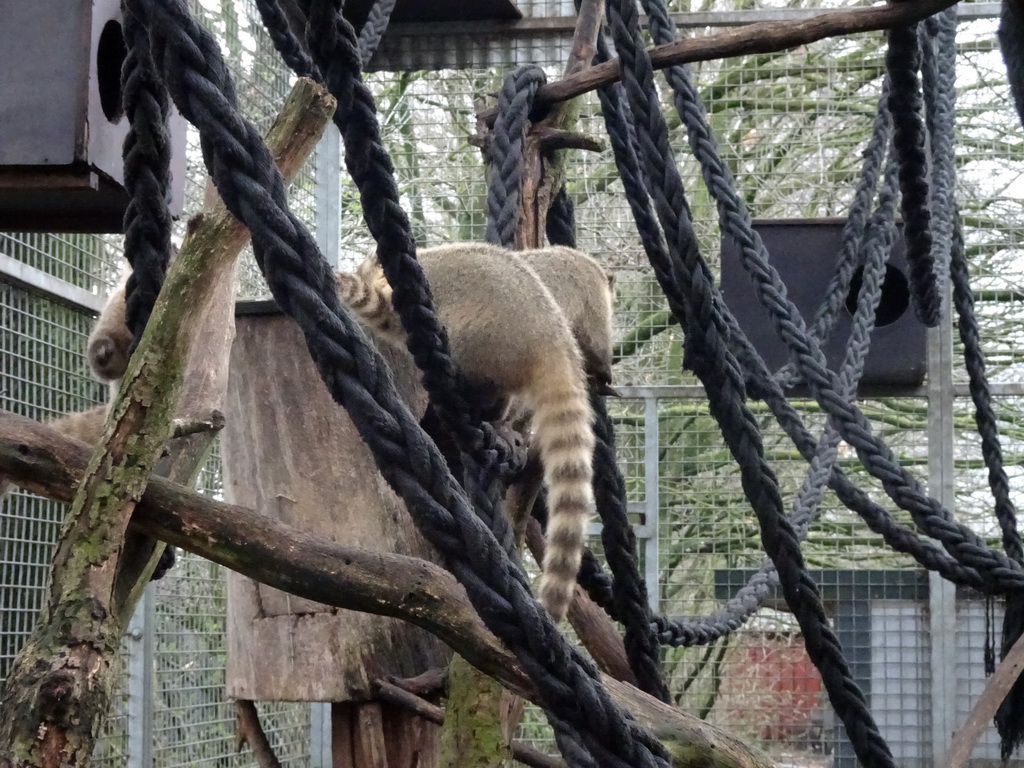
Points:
289	449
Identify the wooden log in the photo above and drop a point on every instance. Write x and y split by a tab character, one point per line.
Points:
290	450
59	689
265	549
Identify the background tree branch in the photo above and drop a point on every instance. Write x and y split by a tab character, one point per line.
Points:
760	37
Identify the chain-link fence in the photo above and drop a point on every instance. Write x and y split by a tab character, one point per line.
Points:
792	126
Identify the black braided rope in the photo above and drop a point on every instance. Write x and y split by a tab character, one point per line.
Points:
560	225
1011	41
686	281
735	221
901	486
373	30
285	42
332	44
630	592
879	238
302	283
629	595
147	177
631	602
903	60
505	153
147	180
998	578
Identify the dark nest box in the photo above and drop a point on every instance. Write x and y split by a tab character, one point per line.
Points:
419	12
61	124
804	251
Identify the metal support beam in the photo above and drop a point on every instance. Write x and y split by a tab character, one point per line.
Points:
696	391
328	196
652	501
941	485
531	27
46	285
320	735
141	644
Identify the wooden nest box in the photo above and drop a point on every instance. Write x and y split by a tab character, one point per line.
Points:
805	251
418	12
61	122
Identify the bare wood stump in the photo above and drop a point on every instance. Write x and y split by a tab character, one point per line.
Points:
289	449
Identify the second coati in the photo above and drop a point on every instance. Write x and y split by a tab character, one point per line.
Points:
509	332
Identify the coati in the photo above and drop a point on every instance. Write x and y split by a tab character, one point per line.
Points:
110	341
508	332
580	286
585	292
108	350
86	426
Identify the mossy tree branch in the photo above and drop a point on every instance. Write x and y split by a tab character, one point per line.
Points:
60	686
255	544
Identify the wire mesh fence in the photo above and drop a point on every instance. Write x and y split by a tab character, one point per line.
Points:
791	127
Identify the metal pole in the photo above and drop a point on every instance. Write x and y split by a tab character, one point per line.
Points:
320	735
328	239
941	484
328	196
652	500
141	649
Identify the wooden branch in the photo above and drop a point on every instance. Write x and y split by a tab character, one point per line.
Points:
430	683
584	37
551	139
42	460
392	694
521	752
984	710
761	37
251	732
544	166
59	688
595	629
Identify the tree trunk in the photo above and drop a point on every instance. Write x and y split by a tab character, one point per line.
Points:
60	687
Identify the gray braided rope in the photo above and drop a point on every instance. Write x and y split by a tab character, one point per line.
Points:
505	153
850	252
901	486
750	598
938	74
373	30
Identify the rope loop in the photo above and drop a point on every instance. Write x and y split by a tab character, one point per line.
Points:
505	153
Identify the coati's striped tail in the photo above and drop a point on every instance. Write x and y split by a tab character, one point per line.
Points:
371	304
563	430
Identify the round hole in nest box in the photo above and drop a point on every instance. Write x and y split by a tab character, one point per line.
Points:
895	296
110	56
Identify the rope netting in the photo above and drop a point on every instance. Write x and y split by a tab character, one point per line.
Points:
910	153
